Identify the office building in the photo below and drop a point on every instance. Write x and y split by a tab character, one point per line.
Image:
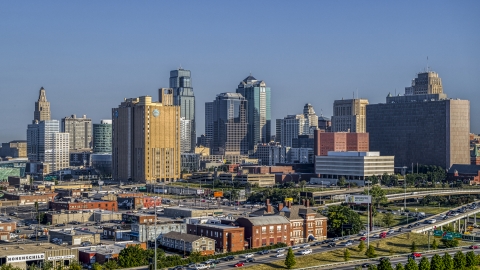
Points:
102	137
269	154
303	141
354	166
146	139
183	96
257	95
324	123
265	230
14	149
80	130
349	115
185	135
230	125
42	107
290	128
45	144
300	155
426	83
325	142
428	129
208	124
309	113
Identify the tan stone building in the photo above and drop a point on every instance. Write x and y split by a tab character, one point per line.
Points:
349	115
146	139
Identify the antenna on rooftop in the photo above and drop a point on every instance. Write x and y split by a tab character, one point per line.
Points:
428	68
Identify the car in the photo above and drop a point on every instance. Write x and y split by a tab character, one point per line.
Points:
239	264
280	255
445	217
179	268
347	244
280	250
209	261
362	234
390	231
263	252
362	238
305	246
248	255
306	251
376	235
295	247
229	258
201	266
332	245
365	265
250	260
59	225
317	244
400	229
416	254
12	214
473	247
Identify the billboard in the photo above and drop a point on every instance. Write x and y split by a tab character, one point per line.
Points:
217	194
199	191
358	199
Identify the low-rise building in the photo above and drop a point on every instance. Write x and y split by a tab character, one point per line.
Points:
261	180
102	254
29	198
7	226
138	218
117	232
183	212
188	243
75	237
83	205
228	238
66	217
148	233
265	230
26	255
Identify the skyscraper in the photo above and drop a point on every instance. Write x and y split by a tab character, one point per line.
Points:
290	127
80	130
230	125
42	107
185	135
102	137
146	139
257	95
349	115
425	83
183	96
208	123
423	128
47	145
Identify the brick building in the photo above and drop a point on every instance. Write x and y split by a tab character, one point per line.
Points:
188	243
25	198
227	238
8	226
102	205
265	230
340	142
305	223
138	218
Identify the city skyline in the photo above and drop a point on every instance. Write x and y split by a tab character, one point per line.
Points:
324	53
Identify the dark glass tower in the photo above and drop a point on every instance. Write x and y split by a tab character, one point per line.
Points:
181	83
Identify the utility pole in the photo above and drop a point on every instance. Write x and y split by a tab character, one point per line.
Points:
155	233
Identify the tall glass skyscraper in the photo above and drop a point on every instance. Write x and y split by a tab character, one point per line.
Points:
102	137
183	96
229	125
257	95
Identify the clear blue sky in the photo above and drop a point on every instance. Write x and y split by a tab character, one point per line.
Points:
89	55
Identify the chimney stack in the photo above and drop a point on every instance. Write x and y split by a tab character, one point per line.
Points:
308	203
269	206
303	202
280	206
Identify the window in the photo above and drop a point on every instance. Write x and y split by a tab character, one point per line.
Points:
264	229
279	228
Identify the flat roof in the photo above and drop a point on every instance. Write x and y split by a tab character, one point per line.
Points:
9	249
219	226
354	154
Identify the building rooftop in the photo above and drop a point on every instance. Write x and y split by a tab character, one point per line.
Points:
353	154
267	220
217	225
183	236
9	249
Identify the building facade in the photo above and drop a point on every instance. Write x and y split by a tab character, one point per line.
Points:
349	115
79	130
207	142
227	238
230	125
353	166
270	154
183	96
325	142
428	129
146	139
14	149
188	243
265	230
42	107
290	128
102	137
426	83
257	95
185	135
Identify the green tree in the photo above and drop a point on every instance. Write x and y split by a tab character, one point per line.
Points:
450	243
411	264
111	265
342	182
346	255
437	263
132	256
471	259
372	267
370	252
385	265
459	260
358	268
388	219
434	244
341	214
97	266
424	264
9	267
399	266
290	259
361	246
47	265
448	262
413	247
302	184
75	266
378	195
